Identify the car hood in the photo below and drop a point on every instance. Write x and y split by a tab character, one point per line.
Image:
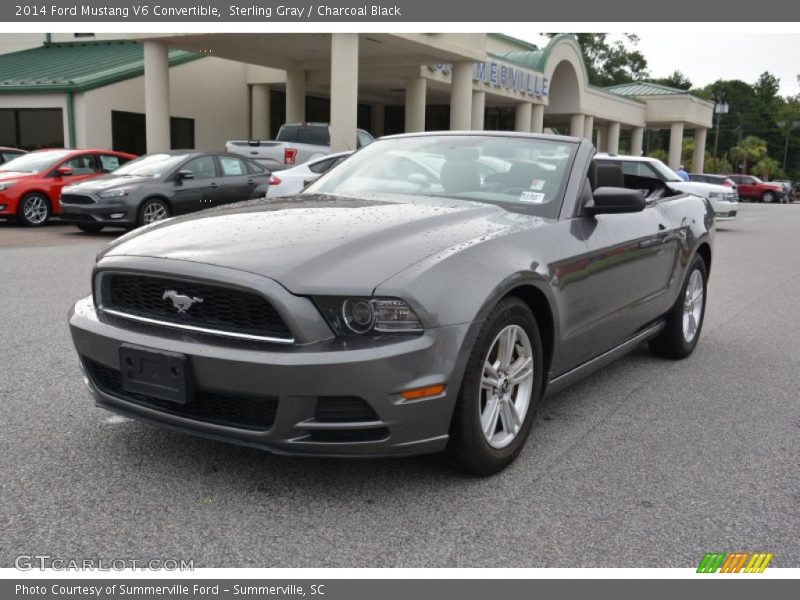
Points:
699	187
323	244
104	182
14	175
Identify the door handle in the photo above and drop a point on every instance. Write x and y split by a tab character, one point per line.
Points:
214	185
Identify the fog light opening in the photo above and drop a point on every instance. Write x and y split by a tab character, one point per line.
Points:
117	215
428	391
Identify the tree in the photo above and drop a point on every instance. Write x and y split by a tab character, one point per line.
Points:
610	62
751	149
767	168
721	164
675	80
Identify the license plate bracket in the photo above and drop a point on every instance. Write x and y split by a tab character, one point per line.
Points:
156	373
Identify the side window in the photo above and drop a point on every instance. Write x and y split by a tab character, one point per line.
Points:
321	166
254	168
202	167
81	165
109	162
232	166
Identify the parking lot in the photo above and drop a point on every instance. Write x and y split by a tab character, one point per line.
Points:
646	463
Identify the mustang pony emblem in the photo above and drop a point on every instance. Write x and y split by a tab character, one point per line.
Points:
181	302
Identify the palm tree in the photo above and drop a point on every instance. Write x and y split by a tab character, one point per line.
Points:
750	149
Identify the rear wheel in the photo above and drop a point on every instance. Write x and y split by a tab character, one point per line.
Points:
34	210
501	387
768	197
685	320
153	210
90	227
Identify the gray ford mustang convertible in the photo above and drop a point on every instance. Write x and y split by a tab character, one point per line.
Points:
423	296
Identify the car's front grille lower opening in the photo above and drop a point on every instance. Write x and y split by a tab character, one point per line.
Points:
77	199
345	436
191	304
344	409
241	412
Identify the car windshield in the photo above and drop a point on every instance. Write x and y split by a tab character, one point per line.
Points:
35	161
663	170
151	165
519	173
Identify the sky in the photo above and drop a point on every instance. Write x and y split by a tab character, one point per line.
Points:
706	57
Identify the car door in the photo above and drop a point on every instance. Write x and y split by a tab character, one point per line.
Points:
81	166
747	186
200	190
236	183
629	264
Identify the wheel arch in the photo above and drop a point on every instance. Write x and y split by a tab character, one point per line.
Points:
704	250
156	196
542	311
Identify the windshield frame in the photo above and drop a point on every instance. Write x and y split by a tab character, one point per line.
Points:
551	209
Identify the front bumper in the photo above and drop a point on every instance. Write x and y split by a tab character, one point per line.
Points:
295	380
119	213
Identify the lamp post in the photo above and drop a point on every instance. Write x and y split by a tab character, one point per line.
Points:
720	108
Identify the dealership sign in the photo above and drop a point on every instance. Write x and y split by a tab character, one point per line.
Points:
503	75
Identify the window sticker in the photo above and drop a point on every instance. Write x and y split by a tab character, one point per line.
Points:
532	197
537	184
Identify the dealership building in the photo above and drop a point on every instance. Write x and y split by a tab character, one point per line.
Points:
148	92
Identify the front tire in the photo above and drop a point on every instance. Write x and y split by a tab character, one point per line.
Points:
34	210
152	210
768	197
502	385
685	320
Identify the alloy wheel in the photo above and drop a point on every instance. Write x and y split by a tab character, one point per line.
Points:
693	306
35	210
154	212
506	386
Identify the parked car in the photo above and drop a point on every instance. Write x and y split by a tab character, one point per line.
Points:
724	199
157	186
296	143
292	181
377	315
715	179
31	183
7	154
753	188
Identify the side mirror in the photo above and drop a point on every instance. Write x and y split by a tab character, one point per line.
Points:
612	200
184	174
63	172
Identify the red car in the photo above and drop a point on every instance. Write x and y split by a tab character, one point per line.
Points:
752	187
30	185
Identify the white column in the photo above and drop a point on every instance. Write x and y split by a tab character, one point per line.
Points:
602	136
588	127
522	118
378	119
478	110
415	104
461	95
537	118
296	95
637	140
344	91
675	145
699	159
576	125
612	143
259	111
156	96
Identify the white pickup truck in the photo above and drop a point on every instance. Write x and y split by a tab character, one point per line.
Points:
295	144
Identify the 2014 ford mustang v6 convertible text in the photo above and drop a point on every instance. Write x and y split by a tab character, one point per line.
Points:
423	296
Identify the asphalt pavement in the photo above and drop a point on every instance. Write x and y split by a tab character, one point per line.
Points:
647	463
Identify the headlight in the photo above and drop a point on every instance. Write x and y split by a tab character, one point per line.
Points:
115	193
359	316
715	196
7	184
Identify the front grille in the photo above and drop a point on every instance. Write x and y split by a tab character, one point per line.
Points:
217	309
241	412
342	409
347	436
76	218
77	199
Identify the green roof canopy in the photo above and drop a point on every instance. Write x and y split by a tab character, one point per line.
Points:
644	88
77	66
